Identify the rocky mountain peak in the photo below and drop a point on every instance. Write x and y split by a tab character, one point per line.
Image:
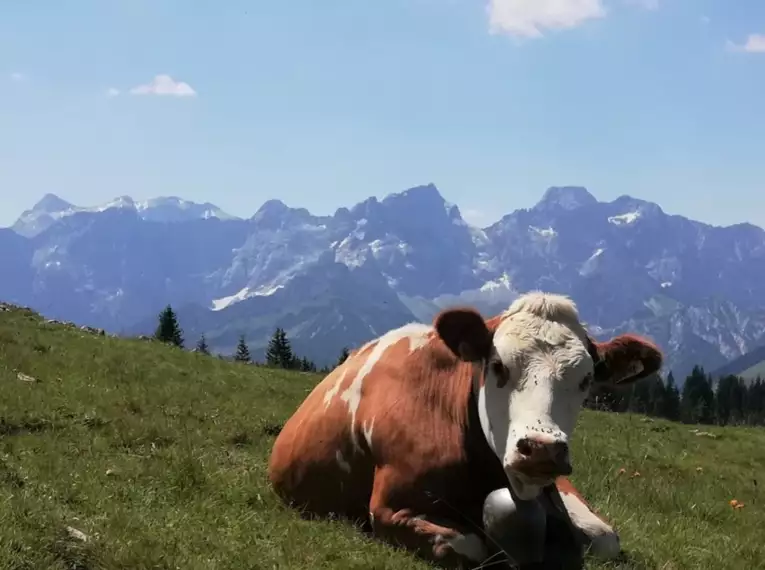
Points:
51	203
272	207
421	198
566	198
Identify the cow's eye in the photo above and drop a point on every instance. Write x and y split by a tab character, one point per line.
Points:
500	372
585	383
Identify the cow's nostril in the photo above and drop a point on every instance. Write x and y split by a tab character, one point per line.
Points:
524	447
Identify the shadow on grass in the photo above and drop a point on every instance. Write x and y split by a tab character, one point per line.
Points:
10	477
271	428
558	551
630	561
25	426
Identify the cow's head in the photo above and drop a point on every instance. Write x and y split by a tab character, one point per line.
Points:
538	366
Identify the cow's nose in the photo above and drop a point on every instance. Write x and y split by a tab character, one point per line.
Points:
537	448
544	456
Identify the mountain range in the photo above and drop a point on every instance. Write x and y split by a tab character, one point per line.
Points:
334	281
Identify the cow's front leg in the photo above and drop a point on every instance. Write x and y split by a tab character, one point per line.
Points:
402	513
433	540
599	538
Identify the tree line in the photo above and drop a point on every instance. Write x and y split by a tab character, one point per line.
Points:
279	352
729	400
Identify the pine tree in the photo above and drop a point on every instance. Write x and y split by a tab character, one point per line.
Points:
729	399
671	407
279	351
657	394
306	365
697	403
604	397
754	407
168	329
640	398
202	346
344	354
710	402
738	401
242	351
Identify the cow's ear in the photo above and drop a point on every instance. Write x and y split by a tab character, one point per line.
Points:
625	359
465	332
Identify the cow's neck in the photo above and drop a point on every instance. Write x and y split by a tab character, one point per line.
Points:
478	400
478	436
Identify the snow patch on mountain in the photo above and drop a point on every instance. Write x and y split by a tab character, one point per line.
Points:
591	265
544	232
624	219
120	202
502	282
172	209
242	295
51	209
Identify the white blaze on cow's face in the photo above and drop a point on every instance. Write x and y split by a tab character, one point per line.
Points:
537	371
536	378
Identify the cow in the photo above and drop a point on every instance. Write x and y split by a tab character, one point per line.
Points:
431	432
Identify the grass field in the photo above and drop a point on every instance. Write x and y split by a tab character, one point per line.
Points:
158	458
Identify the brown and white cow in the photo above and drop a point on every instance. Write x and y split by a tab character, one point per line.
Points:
417	428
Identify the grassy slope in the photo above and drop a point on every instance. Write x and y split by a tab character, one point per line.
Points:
754	372
159	457
748	366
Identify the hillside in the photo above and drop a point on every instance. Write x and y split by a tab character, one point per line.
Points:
336	280
750	366
158	456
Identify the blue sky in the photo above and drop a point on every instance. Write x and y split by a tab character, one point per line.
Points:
323	104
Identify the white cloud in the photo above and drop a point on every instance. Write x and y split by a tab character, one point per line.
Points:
164	85
16	76
528	18
705	19
112	92
755	43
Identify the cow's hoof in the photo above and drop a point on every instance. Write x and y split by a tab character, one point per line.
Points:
469	547
605	546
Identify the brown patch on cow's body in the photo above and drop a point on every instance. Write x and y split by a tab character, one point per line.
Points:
427	456
303	466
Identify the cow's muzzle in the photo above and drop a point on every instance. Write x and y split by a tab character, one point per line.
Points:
539	459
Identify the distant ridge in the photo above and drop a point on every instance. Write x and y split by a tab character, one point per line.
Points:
334	281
